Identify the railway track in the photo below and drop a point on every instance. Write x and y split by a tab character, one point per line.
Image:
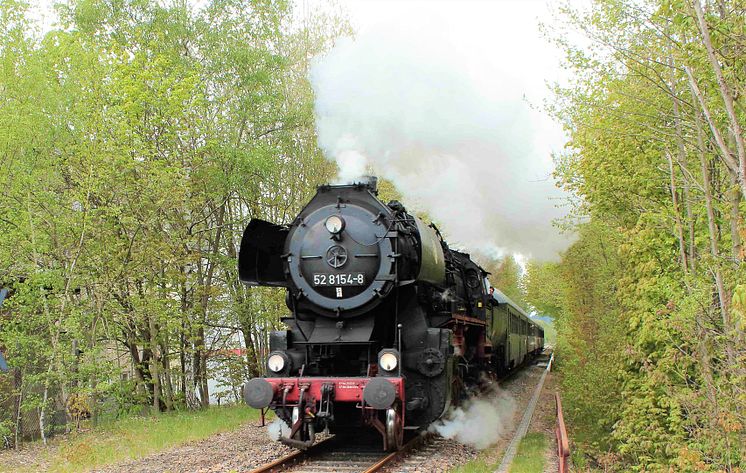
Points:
413	461
358	455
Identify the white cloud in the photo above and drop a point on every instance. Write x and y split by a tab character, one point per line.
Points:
435	96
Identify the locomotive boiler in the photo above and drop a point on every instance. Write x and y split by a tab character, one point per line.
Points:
387	325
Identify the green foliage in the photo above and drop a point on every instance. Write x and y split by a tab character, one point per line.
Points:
506	275
531	454
134	437
544	287
648	301
478	465
138	139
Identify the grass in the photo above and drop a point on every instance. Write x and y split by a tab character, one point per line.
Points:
528	459
135	437
478	465
530	455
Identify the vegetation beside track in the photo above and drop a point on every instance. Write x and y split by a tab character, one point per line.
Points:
529	459
479	465
158	129
134	437
650	300
531	454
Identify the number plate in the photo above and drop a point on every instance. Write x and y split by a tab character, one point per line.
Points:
342	279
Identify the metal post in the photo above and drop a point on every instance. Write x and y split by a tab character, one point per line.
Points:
563	444
398	329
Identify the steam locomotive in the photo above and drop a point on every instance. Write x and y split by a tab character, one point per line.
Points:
388	326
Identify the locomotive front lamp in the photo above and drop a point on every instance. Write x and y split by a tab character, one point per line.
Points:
334	224
276	362
388	360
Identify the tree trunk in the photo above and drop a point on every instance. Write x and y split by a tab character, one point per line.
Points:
183	338
182	362
241	296
42	413
677	215
200	353
734	199
199	368
725	151
154	368
726	95
690	227
714	247
703	354
18	381
681	149
142	375
168	396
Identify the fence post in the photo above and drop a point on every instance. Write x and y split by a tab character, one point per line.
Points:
563	444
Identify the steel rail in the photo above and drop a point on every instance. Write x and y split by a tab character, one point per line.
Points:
292	459
289	459
391	457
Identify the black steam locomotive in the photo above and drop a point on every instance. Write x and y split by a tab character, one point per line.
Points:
388	325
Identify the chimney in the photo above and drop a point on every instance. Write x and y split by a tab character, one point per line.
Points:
371	182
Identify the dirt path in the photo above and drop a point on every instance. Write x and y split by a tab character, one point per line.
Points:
32	457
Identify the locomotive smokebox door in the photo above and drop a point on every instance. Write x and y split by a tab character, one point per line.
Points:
340	252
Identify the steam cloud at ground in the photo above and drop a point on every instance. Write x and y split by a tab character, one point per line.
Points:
480	422
449	128
277	428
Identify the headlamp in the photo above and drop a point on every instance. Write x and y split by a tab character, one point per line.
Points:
276	362
334	224
388	361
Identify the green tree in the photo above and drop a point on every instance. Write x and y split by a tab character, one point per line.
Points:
506	275
655	156
138	138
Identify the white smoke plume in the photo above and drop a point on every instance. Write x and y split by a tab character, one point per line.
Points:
442	115
277	428
480	422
